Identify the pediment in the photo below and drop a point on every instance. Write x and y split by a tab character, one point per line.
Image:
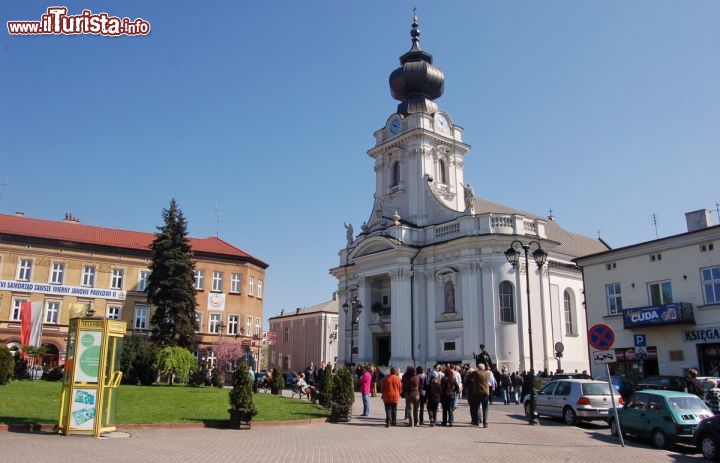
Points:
372	245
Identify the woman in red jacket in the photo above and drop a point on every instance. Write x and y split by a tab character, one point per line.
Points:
391	388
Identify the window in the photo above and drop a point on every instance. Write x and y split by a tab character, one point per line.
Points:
213	325
286	334
711	284
248	326
258	326
655	257
507	302
395	174
141	317
199	279
114	312
251	286
15	314
233	325
88	276
569	309
442	176
57	272
614	298
143	277
235	283
52	310
660	293
24	270
707	247
198	322
259	289
610	266
116	281
448	346
217	281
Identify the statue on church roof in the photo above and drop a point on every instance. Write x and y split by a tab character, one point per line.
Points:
469	195
349	234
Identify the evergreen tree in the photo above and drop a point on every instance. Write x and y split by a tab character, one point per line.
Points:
171	287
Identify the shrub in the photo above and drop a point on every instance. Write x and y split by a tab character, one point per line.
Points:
242	406
21	367
175	361
7	365
278	380
136	362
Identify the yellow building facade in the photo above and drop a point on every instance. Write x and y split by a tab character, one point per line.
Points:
61	263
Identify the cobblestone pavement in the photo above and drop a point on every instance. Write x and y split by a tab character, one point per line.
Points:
508	438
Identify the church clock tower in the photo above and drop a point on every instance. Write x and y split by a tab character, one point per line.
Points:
419	152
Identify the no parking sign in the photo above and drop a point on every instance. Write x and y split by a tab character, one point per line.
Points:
601	337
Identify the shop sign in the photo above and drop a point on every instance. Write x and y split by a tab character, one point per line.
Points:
666	314
709	334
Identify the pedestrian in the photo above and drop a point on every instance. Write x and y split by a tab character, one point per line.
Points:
492	383
311	374
434	396
364	386
411	388
485	398
458	380
712	396
505	385
422	385
374	381
517	384
449	388
391	388
696	386
475	388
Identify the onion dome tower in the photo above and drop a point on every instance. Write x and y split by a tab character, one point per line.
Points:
416	83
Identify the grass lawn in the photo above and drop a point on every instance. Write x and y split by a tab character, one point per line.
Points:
39	402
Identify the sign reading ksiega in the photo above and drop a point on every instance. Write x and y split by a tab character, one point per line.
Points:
57	22
711	333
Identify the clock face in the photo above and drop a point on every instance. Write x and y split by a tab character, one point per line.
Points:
395	126
441	124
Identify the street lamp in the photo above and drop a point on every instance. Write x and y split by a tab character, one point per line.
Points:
513	256
357	309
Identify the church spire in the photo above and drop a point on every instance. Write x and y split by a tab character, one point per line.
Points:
416	83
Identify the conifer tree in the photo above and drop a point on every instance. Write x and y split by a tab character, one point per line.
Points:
171	288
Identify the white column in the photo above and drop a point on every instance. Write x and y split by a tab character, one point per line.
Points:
470	306
364	335
431	348
400	317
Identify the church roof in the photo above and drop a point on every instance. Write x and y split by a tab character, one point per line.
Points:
571	244
74	232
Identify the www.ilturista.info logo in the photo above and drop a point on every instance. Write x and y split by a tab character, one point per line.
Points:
57	22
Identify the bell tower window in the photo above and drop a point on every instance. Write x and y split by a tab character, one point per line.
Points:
442	173
396	174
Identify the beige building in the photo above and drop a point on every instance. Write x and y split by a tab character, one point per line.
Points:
306	335
59	263
661	300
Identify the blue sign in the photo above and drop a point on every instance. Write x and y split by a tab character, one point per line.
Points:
601	337
640	340
666	314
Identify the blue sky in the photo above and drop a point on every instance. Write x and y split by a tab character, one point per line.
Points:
605	111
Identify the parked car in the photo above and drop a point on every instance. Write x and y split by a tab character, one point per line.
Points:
665	416
259	379
289	378
707	438
665	382
624	386
574	400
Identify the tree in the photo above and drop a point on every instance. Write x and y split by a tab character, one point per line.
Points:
242	407
171	287
7	365
175	361
137	360
227	353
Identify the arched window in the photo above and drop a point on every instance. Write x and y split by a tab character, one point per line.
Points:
442	174
449	297
507	302
569	310
396	174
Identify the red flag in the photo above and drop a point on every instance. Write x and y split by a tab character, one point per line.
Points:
25	325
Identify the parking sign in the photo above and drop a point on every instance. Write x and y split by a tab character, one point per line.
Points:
640	340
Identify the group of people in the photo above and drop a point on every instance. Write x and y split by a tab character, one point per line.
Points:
440	387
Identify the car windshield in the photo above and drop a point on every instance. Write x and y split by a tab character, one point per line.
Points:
687	403
595	389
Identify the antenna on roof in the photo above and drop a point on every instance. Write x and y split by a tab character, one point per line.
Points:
551	216
599	233
217	213
655	224
717	210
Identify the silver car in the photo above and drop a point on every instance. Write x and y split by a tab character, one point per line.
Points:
574	400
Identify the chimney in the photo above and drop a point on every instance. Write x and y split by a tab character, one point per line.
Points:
697	220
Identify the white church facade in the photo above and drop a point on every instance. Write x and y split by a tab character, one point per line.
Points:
428	267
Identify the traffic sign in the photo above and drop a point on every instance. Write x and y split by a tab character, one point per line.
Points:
604	356
601	337
640	340
246	342
271	342
271	335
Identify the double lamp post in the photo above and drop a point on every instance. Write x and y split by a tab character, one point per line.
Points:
513	256
355	308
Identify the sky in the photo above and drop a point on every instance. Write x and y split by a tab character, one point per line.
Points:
257	117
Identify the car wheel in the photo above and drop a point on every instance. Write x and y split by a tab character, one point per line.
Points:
658	439
528	409
614	427
709	447
569	416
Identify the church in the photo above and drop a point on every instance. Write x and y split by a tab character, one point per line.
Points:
436	272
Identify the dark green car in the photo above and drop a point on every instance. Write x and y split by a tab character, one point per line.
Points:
666	417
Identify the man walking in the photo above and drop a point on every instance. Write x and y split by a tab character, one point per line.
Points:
487	378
